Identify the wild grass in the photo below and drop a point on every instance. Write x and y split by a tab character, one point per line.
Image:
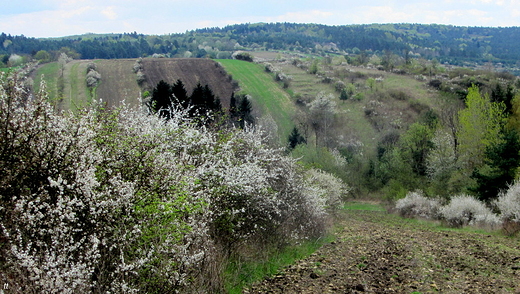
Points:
363	206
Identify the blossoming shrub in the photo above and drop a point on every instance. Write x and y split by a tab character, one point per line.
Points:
123	202
466	210
509	205
415	204
332	190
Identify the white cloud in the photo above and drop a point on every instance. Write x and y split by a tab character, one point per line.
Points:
109	12
314	16
42	18
384	14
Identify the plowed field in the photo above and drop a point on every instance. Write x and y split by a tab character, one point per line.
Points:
190	71
376	252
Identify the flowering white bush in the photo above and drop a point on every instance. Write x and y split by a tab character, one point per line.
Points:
332	190
416	204
93	77
124	202
509	203
138	65
466	210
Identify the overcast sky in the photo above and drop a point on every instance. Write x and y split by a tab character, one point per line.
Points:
55	18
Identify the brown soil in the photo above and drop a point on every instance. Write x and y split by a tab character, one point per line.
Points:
190	71
376	252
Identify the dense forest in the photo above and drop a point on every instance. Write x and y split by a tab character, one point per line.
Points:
451	44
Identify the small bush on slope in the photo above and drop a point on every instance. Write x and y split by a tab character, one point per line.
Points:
466	210
332	190
509	203
415	204
118	201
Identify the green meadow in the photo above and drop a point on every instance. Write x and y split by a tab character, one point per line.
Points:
268	95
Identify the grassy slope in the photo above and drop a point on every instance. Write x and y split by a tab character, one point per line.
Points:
351	113
76	92
49	72
267	94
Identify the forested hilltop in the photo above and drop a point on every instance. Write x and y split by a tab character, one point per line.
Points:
451	44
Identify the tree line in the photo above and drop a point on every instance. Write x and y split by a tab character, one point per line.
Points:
446	43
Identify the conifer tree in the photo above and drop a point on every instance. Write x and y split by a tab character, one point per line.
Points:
161	100
501	165
295	138
180	93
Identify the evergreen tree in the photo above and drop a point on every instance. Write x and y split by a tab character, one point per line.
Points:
161	100
244	112
501	165
295	138
343	95
499	95
180	93
240	108
203	101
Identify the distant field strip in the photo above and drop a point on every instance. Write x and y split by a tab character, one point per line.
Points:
49	72
267	94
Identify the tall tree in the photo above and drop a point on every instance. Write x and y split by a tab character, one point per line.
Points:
244	111
505	96
480	124
501	165
161	101
240	108
203	101
180	94
416	143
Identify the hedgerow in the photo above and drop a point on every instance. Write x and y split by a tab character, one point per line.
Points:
117	200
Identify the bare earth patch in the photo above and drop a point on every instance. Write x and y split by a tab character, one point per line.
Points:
190	71
376	252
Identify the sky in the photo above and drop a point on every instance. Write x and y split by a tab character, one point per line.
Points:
58	18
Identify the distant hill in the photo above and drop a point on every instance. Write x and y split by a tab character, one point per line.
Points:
453	44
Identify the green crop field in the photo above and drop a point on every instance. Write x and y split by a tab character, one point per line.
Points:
268	96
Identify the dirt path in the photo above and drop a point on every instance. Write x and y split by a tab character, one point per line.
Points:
376	252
